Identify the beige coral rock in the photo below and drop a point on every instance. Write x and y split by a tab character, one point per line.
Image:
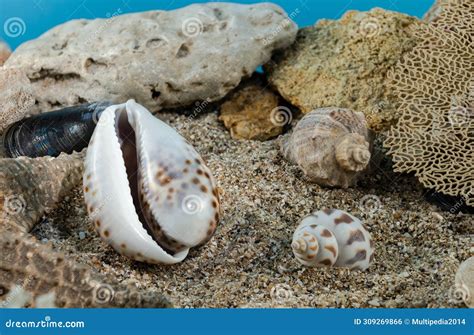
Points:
31	187
331	145
162	59
252	112
16	99
4	52
344	63
434	137
31	273
464	282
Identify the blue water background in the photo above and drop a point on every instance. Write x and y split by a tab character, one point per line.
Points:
40	15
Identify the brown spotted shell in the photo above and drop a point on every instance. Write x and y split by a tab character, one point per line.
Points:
147	190
333	237
331	146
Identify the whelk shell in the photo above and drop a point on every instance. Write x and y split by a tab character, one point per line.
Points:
331	145
147	190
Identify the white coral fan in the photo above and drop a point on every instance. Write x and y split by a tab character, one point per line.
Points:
434	137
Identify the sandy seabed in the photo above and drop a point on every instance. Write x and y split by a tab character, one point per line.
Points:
249	262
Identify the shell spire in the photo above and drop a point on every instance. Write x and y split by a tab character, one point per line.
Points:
464	282
353	152
31	187
300	246
314	246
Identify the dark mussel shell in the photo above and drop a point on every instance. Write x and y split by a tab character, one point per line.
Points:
48	134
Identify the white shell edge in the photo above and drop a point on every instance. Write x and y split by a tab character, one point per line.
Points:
112	203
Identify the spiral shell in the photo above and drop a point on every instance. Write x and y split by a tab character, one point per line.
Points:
333	237
147	190
464	282
331	145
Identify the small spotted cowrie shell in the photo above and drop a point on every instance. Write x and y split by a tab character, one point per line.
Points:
147	190
332	237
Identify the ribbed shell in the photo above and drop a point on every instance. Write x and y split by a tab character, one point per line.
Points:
314	245
29	270
330	145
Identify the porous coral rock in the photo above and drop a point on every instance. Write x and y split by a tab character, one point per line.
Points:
30	188
160	58
344	63
434	137
32	274
16	99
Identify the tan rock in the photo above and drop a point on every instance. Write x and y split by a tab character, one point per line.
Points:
162	59
4	52
16	99
344	63
252	112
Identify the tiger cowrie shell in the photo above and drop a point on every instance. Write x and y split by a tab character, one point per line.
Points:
147	190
